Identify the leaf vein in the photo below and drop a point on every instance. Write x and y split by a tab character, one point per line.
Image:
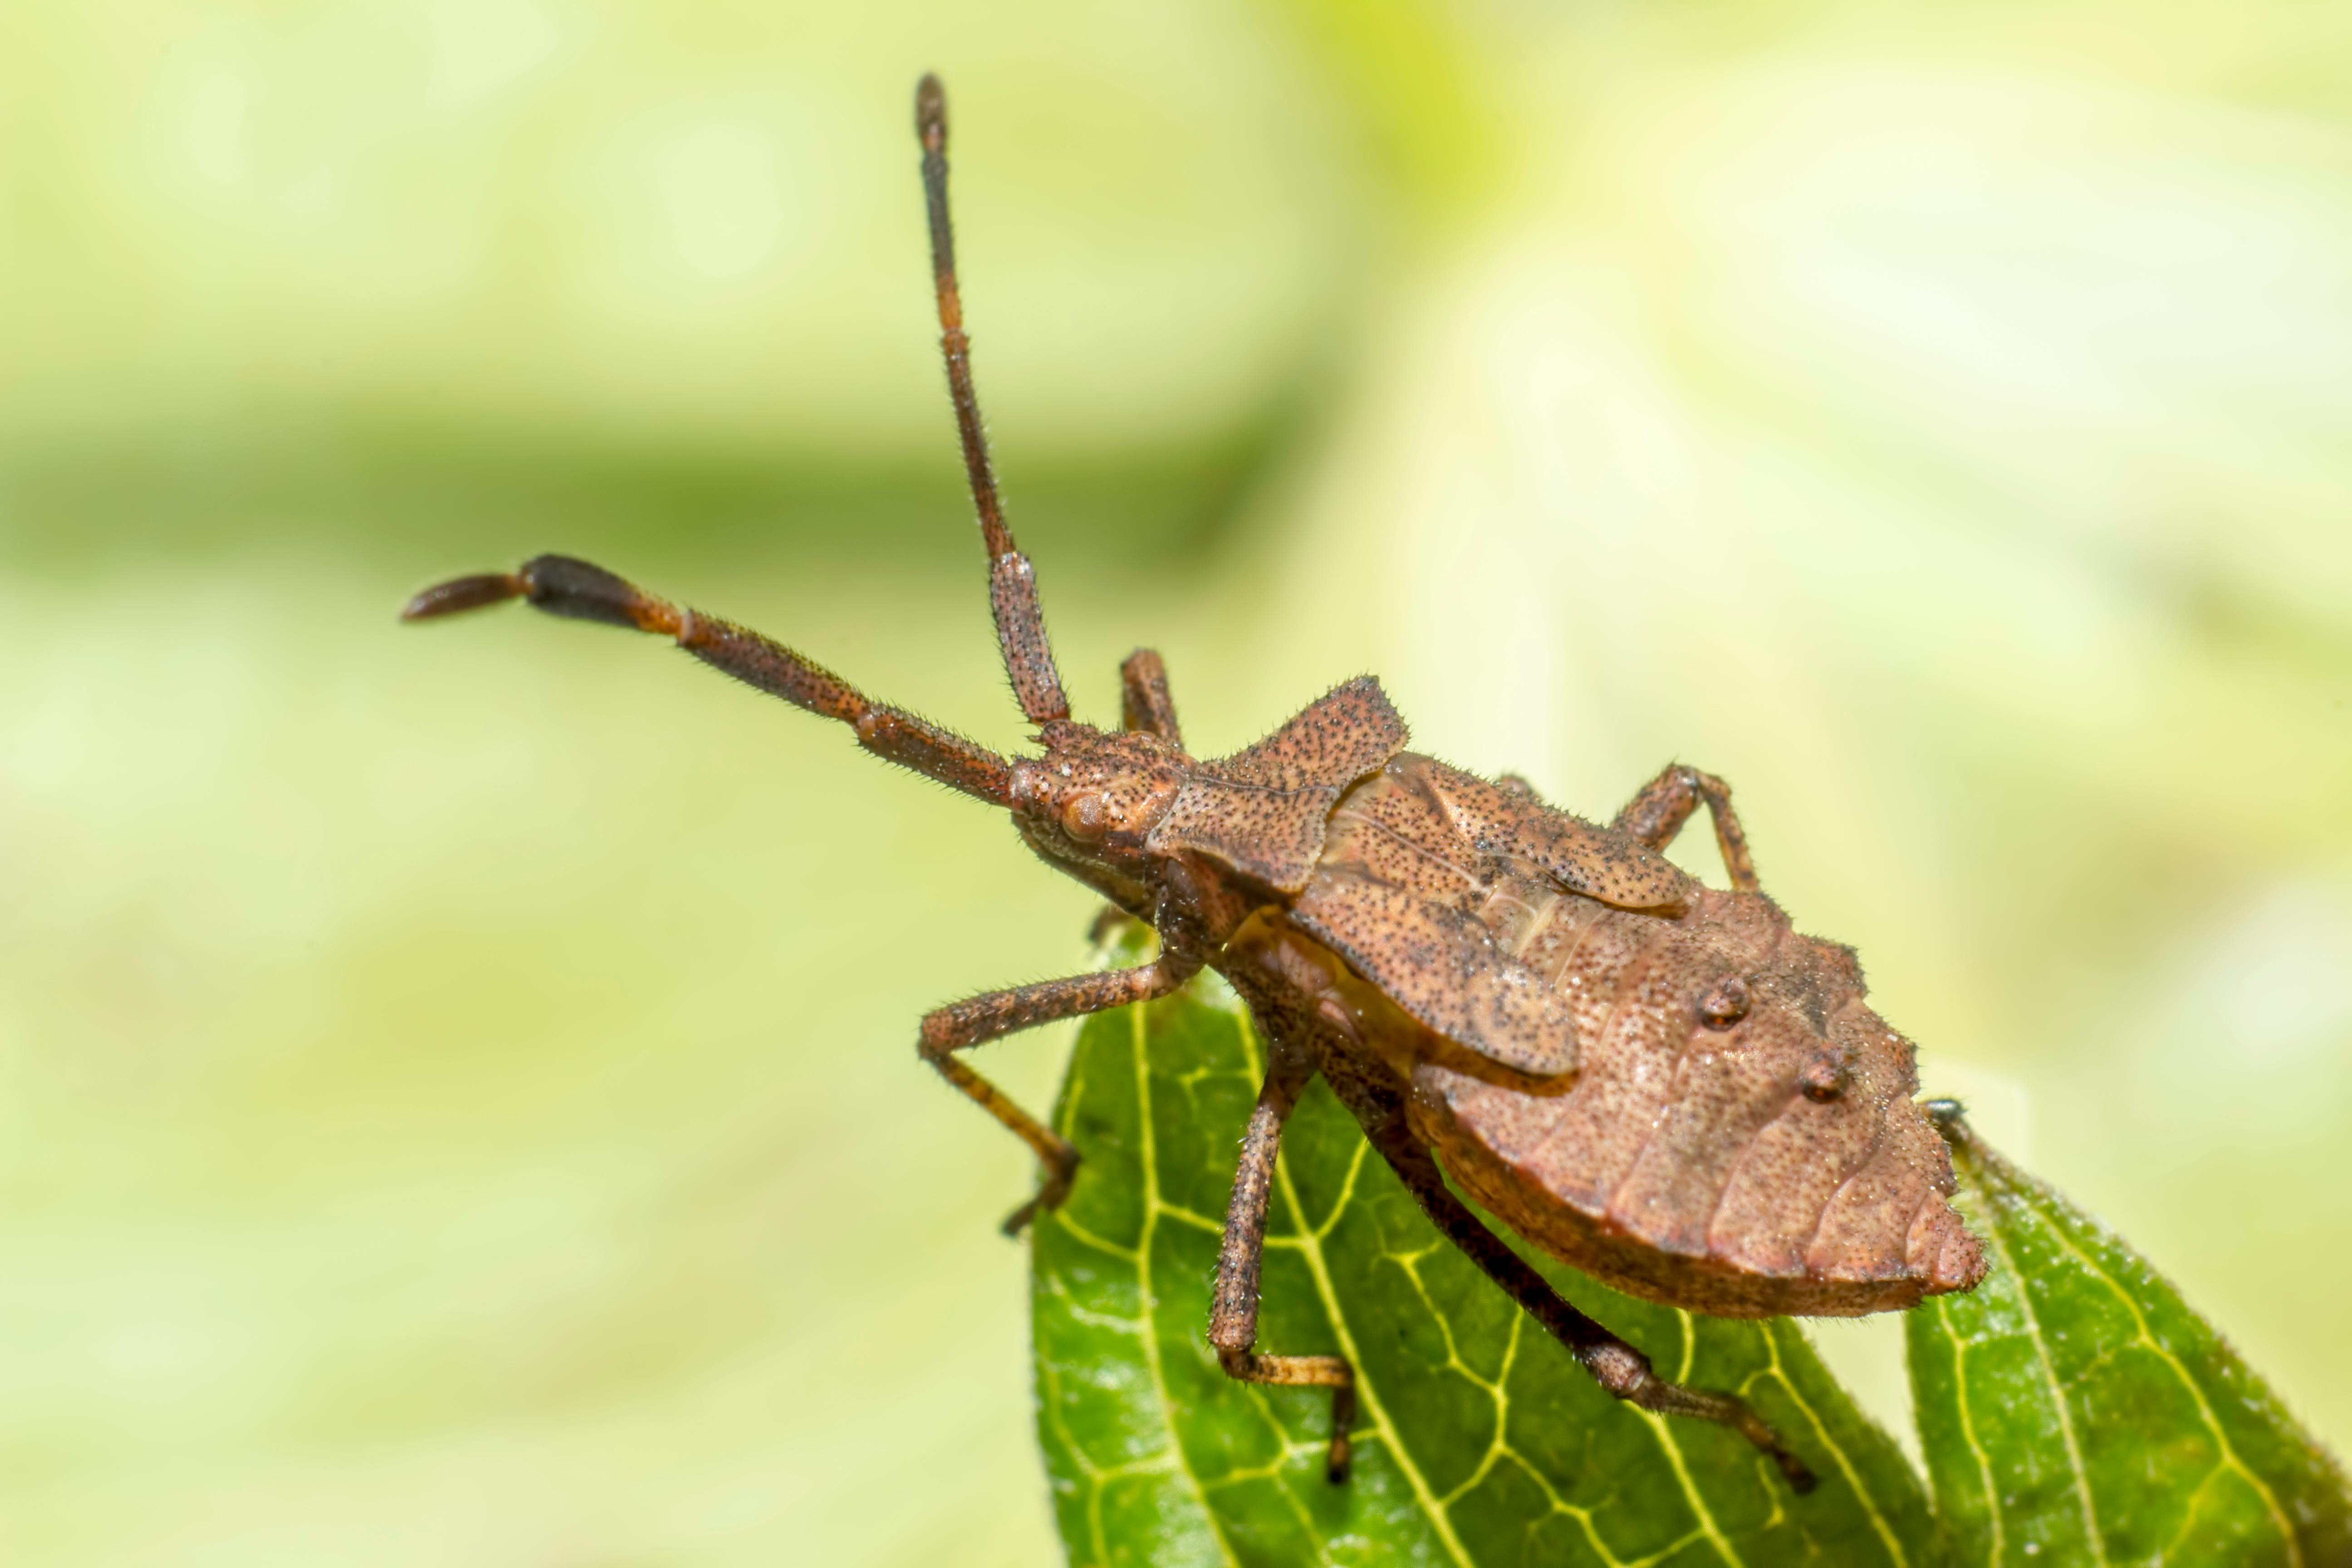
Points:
2196	1392
1961	1348
1999	1245
1878	1520
1672	1448
1366	1394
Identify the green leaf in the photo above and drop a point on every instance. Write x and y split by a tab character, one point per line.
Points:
2073	1410
1479	1441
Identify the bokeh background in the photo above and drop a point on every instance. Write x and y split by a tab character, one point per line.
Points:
458	1095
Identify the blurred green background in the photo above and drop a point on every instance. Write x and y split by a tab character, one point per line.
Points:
457	1094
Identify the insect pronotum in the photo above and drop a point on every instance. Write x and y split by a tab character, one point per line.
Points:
1657	1082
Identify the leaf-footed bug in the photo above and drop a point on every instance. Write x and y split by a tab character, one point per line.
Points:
1657	1082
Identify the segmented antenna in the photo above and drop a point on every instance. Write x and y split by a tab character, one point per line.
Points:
1012	582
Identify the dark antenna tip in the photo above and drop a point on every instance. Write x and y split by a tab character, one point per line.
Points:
931	113
464	594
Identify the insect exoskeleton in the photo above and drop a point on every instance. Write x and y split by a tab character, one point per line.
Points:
1655	1081
1681	1095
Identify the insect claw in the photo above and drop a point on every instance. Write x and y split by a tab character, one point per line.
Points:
1019	1219
1050	1196
1341	1454
1753	1427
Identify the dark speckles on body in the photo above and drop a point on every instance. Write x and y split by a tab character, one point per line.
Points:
1724	1123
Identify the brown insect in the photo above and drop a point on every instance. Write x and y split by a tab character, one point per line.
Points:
1656	1082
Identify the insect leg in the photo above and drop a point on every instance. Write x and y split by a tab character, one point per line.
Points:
1110	923
1144	702
997	1014
1666	802
1012	582
1617	1366
563	586
1232	1320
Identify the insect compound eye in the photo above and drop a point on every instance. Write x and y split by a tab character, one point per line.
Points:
1086	818
1030	789
1725	1003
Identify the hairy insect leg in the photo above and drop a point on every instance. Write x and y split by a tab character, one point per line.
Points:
1232	1320
1617	1366
1657	814
997	1014
1144	702
579	591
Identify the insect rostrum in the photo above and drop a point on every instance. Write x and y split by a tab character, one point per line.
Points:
1657	1082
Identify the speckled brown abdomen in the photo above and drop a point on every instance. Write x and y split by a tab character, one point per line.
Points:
1687	1100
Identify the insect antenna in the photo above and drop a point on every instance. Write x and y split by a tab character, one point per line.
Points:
580	591
1012	582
